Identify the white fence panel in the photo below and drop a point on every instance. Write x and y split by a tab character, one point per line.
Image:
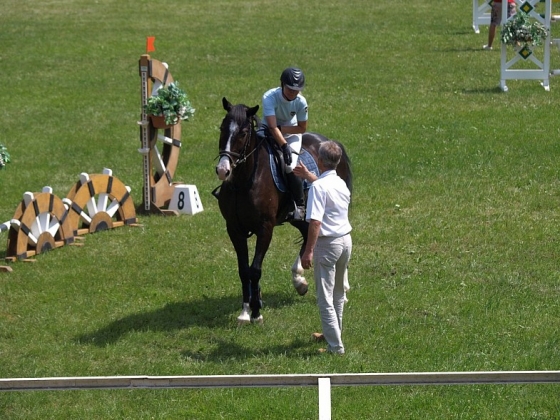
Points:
481	14
322	381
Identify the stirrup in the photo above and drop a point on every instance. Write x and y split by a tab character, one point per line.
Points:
297	214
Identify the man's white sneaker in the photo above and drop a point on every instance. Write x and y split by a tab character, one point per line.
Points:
486	47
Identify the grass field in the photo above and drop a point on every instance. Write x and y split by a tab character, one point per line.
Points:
455	210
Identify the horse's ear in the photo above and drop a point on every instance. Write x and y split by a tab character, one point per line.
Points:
226	104
252	111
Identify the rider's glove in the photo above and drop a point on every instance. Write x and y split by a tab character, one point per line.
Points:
287	152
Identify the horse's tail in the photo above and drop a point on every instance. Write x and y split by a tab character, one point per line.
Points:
346	159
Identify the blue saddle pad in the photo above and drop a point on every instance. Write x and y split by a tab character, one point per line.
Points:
304	157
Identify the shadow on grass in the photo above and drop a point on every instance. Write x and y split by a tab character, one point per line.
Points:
495	89
298	348
205	312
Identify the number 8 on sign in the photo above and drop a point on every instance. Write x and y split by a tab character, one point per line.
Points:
185	199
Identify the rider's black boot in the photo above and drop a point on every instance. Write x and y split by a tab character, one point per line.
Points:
295	185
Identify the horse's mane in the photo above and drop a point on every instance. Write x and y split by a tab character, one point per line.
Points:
239	114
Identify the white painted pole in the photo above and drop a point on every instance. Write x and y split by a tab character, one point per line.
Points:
324	398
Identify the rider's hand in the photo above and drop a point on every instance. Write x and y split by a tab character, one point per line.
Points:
287	152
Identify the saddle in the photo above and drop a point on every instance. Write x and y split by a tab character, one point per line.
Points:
277	163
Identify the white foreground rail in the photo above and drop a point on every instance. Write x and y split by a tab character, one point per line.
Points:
322	381
249	381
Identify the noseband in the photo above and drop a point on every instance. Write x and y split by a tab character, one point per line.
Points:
235	158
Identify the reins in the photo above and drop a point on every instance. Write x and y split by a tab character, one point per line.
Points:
237	159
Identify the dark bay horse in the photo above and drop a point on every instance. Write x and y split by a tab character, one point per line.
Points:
250	202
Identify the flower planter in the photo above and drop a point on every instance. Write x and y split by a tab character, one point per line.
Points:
523	31
171	101
158	121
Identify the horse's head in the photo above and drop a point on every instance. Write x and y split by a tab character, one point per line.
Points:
236	132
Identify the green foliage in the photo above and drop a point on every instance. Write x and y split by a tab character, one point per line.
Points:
171	102
4	156
522	30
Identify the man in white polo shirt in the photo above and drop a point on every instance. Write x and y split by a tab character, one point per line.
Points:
329	244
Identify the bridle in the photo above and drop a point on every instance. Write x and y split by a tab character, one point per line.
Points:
236	158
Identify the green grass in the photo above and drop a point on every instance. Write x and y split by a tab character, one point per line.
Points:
455	210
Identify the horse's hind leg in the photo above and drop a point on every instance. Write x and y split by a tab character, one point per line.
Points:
256	296
256	299
298	280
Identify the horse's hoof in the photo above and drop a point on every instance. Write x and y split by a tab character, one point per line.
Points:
302	288
243	321
244	317
258	320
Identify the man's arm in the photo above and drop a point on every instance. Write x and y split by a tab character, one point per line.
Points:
312	235
304	173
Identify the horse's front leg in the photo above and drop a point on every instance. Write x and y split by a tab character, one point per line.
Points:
240	245
264	237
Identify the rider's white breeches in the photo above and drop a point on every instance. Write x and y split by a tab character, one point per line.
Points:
294	141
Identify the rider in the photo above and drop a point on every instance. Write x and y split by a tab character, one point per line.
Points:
285	118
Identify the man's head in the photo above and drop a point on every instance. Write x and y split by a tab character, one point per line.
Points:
329	154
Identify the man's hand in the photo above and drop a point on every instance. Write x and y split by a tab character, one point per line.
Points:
307	260
304	173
